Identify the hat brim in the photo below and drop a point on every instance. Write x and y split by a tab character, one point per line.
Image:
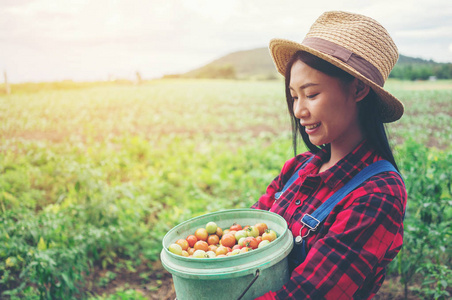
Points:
281	50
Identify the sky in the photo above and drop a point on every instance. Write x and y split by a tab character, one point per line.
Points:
90	40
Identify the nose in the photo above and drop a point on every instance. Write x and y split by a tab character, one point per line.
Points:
299	109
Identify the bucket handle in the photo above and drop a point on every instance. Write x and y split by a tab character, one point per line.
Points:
249	285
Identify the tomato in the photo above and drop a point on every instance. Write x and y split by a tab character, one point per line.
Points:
259	239
269	235
263	243
201	234
246	227
221	255
191	239
250	242
228	240
210	254
236	227
199	254
240	242
221	250
252	231
226	231
244	249
191	251
233	232
201	245
240	234
219	232
233	252
213	239
212	248
261	227
211	227
185	253
175	248
237	247
182	243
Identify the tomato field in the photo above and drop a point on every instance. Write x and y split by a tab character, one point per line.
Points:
92	177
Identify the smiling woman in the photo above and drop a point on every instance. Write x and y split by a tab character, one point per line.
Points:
344	200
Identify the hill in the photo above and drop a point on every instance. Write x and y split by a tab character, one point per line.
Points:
257	64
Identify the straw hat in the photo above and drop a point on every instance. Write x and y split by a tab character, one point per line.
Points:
355	43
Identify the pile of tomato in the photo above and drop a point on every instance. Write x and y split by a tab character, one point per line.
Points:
213	241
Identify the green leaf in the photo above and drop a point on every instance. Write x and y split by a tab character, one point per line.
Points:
42	244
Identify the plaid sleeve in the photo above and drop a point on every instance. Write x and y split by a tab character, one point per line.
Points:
363	238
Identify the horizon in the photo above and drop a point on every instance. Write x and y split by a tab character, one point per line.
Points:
47	41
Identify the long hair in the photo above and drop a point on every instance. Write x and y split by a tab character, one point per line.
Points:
371	124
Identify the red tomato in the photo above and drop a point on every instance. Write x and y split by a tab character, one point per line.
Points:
213	239
261	227
237	247
228	240
236	227
191	251
182	243
259	240
251	242
219	232
191	239
201	245
201	234
212	248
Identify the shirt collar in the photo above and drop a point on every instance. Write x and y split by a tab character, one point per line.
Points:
345	169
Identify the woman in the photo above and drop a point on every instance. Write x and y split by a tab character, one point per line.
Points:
334	90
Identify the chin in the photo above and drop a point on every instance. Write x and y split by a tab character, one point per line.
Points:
317	142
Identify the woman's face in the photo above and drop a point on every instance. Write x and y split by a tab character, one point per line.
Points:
325	106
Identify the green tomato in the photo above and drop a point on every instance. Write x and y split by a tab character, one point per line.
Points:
252	231
241	241
175	248
199	254
234	252
263	243
210	254
211	227
240	234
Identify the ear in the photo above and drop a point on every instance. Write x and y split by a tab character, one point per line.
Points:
360	90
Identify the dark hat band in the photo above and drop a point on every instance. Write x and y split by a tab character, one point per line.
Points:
353	60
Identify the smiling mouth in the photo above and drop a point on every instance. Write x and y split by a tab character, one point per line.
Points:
312	126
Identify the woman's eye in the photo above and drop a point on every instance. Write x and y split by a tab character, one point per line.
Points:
312	96
294	98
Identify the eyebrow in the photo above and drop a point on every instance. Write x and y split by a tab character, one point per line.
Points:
305	86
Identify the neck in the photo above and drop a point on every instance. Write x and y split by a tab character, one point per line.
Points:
340	150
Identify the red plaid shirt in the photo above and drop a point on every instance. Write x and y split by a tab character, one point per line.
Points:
349	252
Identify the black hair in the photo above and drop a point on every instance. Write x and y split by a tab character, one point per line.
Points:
370	121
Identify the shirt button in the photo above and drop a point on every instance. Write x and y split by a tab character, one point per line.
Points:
298	202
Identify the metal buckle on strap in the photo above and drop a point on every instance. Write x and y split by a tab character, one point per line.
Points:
311	223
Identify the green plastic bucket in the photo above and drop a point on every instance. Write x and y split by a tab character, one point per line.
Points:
265	269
